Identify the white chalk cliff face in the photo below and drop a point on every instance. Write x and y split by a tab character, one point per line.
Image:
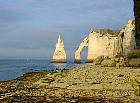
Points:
129	42
106	42
101	44
59	55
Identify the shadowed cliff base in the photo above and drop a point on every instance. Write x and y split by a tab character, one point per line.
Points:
137	21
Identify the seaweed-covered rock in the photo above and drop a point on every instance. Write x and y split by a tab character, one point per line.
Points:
112	62
98	60
108	63
135	62
123	62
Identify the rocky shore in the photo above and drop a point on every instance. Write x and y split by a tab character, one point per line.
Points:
82	84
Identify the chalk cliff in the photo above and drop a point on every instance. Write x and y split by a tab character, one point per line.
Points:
59	55
108	42
101	42
127	36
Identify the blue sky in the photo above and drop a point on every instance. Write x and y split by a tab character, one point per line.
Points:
30	28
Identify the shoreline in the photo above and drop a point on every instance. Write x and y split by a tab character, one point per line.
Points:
11	69
81	83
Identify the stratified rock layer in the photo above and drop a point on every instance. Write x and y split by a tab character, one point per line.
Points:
59	55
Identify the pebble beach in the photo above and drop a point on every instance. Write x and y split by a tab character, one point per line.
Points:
82	84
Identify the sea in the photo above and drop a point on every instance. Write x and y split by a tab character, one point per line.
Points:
13	68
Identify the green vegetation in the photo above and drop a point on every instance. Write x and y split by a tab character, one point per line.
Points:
107	31
47	80
98	60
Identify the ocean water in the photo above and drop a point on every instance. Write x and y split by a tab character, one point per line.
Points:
11	69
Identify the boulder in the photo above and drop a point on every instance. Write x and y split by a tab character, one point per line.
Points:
108	63
123	62
98	60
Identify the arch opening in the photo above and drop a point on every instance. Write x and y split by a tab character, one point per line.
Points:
83	44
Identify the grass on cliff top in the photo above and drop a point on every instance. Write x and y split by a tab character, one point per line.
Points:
107	31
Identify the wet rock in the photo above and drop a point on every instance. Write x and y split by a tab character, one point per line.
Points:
123	62
98	60
108	63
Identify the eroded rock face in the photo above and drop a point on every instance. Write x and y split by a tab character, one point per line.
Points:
127	36
59	55
101	42
106	42
137	21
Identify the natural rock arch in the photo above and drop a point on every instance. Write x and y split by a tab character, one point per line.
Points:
106	42
85	42
79	50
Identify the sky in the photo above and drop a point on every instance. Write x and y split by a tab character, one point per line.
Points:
30	28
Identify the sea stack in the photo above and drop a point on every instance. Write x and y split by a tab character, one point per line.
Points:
59	55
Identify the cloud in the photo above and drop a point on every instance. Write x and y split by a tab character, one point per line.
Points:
8	16
35	24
